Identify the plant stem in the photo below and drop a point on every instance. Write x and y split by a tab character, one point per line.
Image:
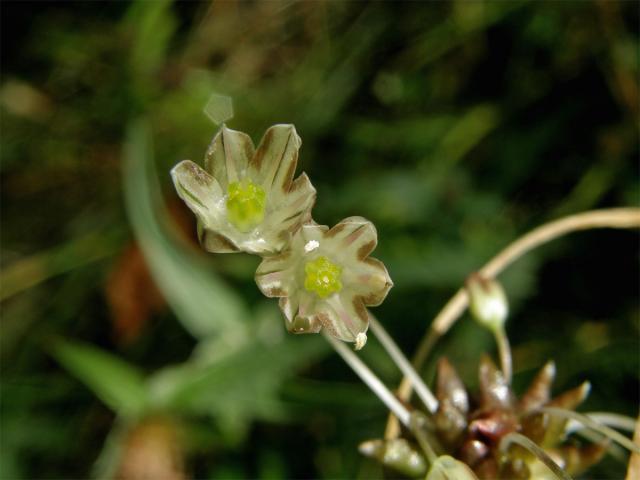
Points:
614	420
633	471
525	442
608	218
504	350
416	425
593	425
403	364
370	379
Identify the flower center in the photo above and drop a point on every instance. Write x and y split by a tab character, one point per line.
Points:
245	205
322	277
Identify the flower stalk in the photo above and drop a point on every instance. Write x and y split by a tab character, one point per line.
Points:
370	379
455	307
403	364
524	442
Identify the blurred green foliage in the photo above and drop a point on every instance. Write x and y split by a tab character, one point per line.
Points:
453	126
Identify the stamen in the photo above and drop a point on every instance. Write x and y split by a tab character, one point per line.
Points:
322	277
245	205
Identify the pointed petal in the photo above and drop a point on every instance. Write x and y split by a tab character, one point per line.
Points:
569	400
343	316
228	155
274	275
539	391
450	387
494	389
274	162
199	190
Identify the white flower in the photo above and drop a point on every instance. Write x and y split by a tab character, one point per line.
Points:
246	199
326	278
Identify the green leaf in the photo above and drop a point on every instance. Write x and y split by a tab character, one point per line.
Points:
152	25
242	385
203	303
117	383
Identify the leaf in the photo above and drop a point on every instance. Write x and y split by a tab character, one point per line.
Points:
152	25
202	302
118	384
241	385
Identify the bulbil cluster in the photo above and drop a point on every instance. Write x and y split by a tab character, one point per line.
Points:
246	199
472	429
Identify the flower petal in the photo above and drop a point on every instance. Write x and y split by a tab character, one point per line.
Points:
343	316
199	190
228	156
356	235
295	209
274	162
275	276
370	280
215	242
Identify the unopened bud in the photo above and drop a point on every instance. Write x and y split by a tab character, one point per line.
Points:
487	301
397	454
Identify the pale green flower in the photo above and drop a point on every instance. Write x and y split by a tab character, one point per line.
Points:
245	198
325	279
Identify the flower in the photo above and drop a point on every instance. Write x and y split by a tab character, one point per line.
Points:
245	198
326	278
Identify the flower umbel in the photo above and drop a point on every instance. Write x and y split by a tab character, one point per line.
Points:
326	279
245	198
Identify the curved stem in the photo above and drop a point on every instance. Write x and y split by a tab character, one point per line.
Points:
403	364
614	420
370	379
525	442
608	218
593	425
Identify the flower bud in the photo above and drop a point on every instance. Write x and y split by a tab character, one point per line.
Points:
487	301
397	454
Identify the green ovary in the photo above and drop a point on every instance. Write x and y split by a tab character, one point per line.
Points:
322	277
245	205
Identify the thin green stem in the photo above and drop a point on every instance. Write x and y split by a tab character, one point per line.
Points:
370	379
614	420
528	444
593	425
417	423
403	364
504	350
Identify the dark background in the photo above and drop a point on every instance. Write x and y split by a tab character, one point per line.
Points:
454	126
